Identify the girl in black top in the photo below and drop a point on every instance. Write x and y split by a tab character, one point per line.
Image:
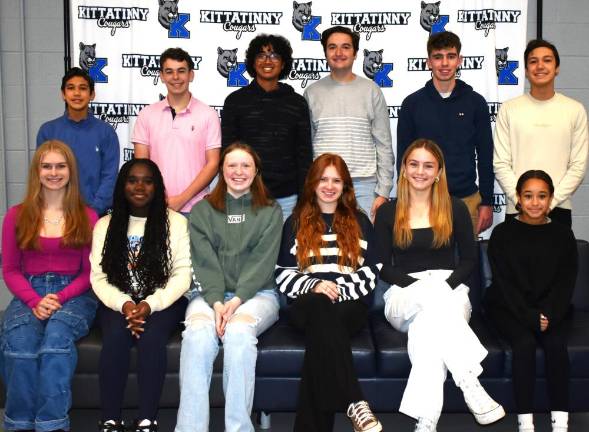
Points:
534	265
417	238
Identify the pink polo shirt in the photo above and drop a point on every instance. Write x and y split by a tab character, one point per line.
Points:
178	145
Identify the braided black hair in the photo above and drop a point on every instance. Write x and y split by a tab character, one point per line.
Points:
153	263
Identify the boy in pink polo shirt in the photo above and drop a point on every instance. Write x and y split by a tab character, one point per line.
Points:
181	134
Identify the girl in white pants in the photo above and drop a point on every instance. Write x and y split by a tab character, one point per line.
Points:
418	235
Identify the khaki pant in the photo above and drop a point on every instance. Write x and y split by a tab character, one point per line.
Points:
472	204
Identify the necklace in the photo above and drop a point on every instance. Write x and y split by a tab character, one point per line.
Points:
53	221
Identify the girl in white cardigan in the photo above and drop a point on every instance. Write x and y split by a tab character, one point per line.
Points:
140	270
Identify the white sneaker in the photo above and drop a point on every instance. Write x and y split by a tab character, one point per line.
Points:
425	425
362	418
480	404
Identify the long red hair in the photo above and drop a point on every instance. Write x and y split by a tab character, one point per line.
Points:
77	231
260	194
309	224
440	212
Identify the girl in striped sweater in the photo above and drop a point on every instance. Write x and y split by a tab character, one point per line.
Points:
327	268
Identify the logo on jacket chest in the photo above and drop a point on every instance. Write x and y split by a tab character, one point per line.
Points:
235	219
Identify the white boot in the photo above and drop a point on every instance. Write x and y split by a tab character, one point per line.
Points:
560	421
525	422
480	404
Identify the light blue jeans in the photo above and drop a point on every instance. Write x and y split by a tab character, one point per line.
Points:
200	346
287	205
364	190
39	357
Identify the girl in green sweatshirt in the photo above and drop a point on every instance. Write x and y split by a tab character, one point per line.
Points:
234	237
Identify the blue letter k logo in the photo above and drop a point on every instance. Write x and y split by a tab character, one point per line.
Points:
95	70
177	29
236	78
382	76
506	75
310	32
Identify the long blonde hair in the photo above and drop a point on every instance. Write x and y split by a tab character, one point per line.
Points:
440	213
77	231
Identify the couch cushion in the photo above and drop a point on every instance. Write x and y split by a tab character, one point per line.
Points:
393	361
281	350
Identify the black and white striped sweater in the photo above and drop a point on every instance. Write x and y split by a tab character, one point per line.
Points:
353	285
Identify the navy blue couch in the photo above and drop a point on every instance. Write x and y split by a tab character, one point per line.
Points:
380	358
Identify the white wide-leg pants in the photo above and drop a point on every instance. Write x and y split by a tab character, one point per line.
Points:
435	317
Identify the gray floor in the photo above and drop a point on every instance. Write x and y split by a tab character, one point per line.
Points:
84	420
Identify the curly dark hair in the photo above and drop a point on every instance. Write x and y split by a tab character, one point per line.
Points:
280	45
153	264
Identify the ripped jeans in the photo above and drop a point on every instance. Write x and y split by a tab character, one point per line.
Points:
39	357
200	346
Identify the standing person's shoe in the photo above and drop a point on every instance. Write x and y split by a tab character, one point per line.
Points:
484	409
362	418
111	426
425	425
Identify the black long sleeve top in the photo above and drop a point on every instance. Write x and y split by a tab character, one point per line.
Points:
534	271
278	127
421	255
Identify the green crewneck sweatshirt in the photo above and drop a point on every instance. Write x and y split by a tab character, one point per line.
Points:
235	251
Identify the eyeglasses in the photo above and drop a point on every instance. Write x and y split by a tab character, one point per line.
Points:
272	56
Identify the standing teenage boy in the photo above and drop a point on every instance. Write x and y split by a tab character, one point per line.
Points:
181	134
542	130
94	142
349	117
273	119
448	111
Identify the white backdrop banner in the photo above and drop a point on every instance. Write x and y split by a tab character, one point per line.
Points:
119	43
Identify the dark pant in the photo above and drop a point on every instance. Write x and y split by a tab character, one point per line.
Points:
151	358
560	215
328	382
523	343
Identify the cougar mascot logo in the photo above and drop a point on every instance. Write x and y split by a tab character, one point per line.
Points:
301	14
372	62
167	12
500	59
226	61
87	56
430	13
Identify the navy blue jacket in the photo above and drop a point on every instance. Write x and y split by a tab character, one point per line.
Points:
460	125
